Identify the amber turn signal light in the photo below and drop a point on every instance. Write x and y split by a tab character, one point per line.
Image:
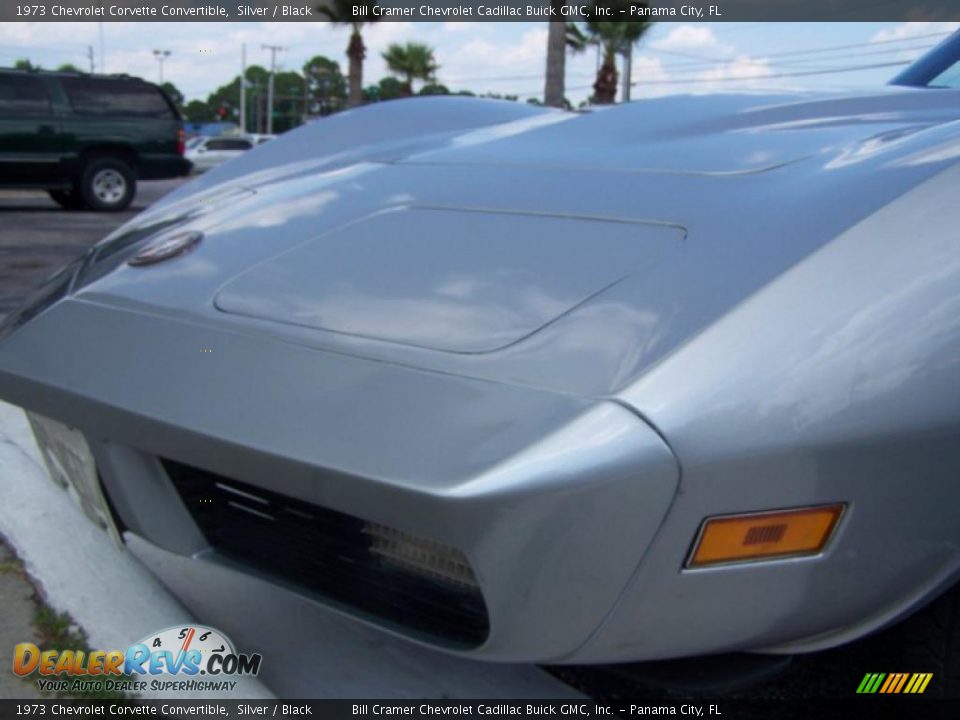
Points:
765	535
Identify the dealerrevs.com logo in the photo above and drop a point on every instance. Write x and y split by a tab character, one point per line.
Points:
188	659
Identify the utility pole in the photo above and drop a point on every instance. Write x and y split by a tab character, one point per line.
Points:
274	49
161	55
243	88
90	56
103	53
306	99
627	72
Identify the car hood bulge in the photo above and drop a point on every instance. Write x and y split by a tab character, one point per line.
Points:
541	248
718	134
447	279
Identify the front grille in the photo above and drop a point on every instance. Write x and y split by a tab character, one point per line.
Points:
337	556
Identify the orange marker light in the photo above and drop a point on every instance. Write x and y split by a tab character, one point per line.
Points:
762	536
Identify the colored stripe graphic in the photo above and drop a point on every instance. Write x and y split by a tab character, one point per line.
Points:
918	683
894	683
903	681
871	683
892	679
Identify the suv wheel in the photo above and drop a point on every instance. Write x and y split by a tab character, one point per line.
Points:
67	199
107	184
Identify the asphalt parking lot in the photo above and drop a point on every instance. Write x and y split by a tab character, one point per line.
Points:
37	237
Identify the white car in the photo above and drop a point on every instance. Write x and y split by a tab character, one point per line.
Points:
260	139
208	152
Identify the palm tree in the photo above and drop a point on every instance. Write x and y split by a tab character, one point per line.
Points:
562	36
346	12
613	38
412	61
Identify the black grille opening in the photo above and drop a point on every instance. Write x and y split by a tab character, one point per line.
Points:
342	558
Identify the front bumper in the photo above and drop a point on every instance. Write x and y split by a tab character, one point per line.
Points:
570	511
552	499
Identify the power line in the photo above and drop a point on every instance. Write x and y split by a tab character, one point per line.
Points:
698	78
774	76
705	64
827	49
807	73
860	45
677	53
802	61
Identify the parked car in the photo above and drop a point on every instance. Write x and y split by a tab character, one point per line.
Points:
86	139
260	138
673	379
209	152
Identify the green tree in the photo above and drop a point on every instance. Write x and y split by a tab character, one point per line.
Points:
498	96
412	61
326	86
613	38
198	111
68	67
434	88
224	102
291	99
174	94
25	64
389	88
255	87
341	12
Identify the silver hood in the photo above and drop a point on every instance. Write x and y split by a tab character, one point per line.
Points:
495	240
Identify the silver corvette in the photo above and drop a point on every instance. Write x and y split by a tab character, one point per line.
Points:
675	378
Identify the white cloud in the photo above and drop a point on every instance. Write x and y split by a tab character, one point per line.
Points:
692	37
464	25
653	79
481	57
743	67
648	69
908	30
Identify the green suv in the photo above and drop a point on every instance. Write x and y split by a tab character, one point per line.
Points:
86	139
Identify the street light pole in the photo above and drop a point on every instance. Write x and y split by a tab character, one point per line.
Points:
243	88
103	52
161	55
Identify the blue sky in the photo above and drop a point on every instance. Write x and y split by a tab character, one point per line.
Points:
496	57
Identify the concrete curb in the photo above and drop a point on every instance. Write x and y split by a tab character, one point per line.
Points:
308	650
77	566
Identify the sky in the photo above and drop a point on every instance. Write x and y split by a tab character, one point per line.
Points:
499	57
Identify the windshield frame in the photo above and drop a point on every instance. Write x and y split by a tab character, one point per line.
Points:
931	65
